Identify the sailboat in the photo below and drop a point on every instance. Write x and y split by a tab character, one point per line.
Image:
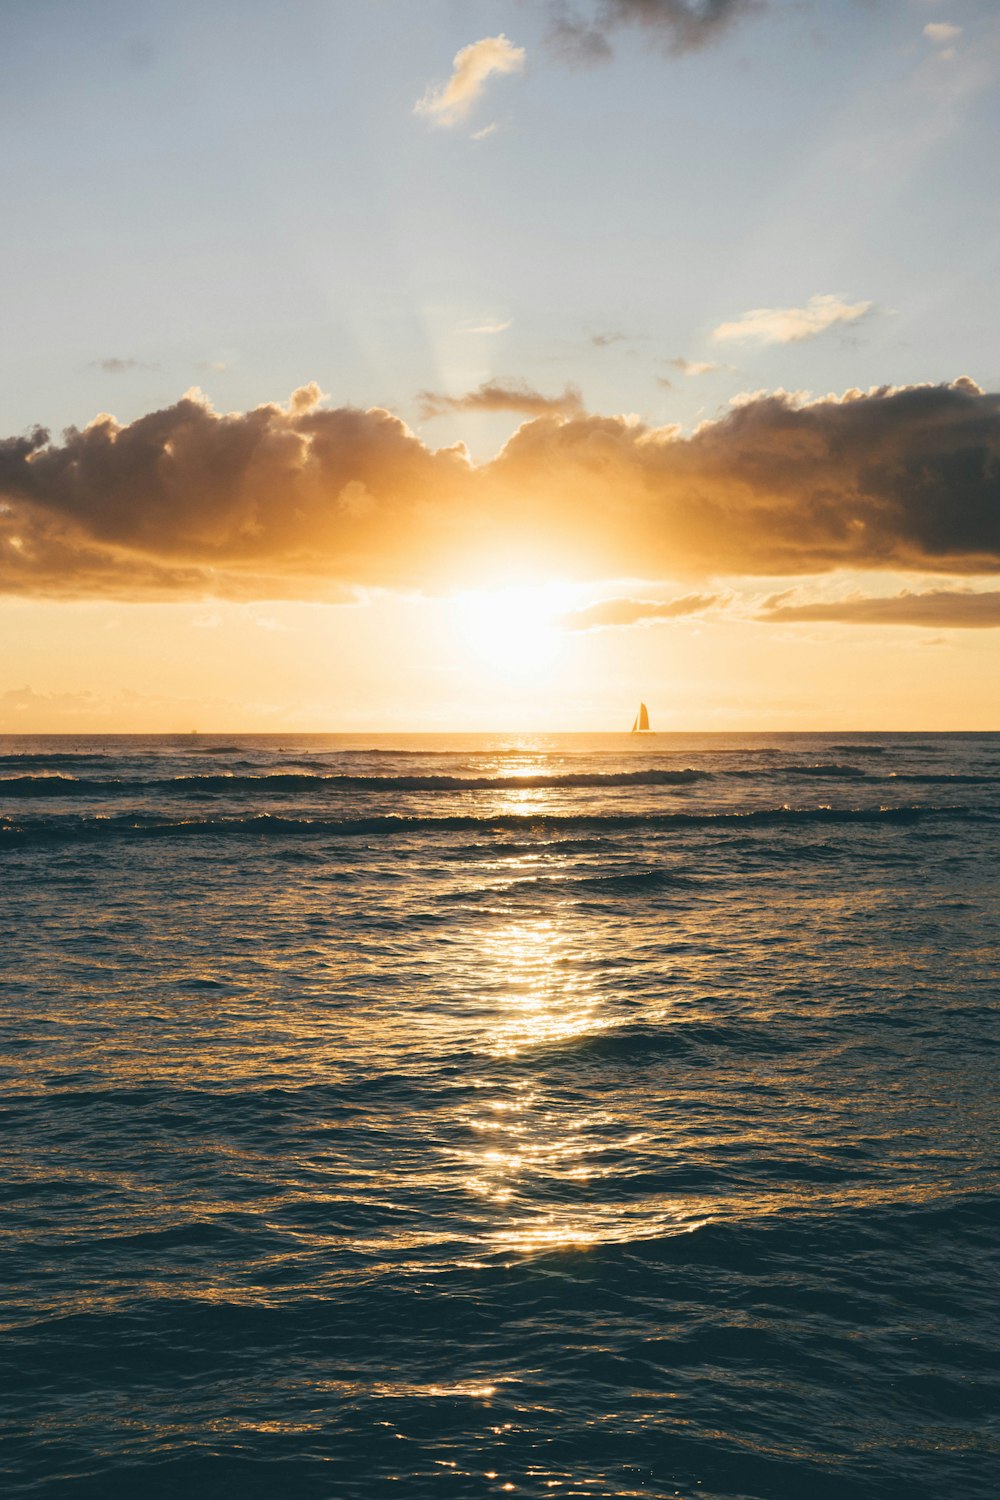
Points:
640	724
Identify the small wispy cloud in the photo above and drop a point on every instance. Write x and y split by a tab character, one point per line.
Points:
213	366
692	366
789	325
603	340
612	614
487	130
116	366
503	395
942	33
448	103
488	325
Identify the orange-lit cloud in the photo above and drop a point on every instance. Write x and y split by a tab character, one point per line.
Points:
300	501
789	325
611	614
502	395
906	478
942	609
450	102
281	501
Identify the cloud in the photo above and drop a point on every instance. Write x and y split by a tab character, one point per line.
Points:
582	36
502	395
692	366
25	700
301	501
941	609
942	33
612	613
788	325
28	709
602	340
449	103
277	502
893	478
574	39
490	326
115	366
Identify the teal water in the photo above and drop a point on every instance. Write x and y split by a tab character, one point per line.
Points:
549	1116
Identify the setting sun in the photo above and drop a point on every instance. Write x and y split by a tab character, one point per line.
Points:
514	631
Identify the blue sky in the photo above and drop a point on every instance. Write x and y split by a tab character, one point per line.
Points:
246	184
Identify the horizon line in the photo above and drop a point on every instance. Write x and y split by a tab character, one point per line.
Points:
206	734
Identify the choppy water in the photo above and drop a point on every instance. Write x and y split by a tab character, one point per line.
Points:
582	1116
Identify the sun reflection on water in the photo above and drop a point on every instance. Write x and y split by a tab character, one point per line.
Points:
540	1153
544	998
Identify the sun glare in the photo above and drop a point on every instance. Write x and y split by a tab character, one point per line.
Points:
514	631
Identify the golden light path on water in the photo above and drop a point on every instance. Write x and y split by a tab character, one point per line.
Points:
535	1151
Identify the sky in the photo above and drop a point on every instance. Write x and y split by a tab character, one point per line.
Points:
493	364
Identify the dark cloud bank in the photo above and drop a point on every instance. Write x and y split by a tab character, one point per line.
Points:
299	501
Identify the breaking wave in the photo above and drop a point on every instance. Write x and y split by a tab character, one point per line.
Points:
14	832
279	782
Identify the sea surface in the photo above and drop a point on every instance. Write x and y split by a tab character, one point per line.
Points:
569	1116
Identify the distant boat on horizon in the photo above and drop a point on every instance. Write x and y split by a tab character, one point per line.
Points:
640	724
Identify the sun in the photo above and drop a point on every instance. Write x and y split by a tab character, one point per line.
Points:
515	632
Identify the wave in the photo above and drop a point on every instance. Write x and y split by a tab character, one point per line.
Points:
833	768
279	782
262	826
944	778
59	758
577	887
67	780
196	749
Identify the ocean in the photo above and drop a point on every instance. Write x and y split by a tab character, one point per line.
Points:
564	1116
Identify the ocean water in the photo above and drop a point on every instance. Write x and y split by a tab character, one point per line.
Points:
567	1116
